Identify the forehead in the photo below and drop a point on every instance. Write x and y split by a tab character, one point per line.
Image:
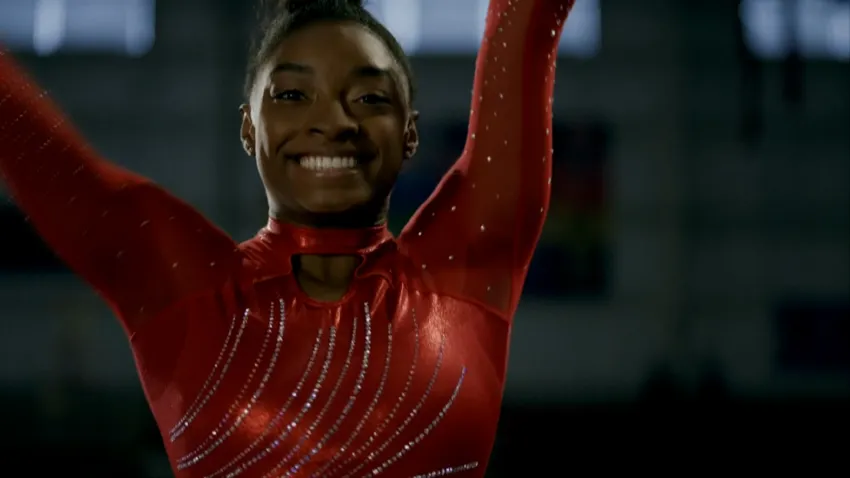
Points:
334	47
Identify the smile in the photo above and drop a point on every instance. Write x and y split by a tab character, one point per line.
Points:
327	163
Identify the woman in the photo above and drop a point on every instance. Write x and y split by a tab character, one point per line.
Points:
323	346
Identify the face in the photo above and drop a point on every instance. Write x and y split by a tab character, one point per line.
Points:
329	124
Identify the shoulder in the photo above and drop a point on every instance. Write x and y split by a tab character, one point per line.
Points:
261	261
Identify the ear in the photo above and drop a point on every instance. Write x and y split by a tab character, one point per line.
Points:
247	131
411	136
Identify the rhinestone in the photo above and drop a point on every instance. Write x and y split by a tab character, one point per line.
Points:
410	416
364	366
214	440
204	395
274	422
433	423
448	470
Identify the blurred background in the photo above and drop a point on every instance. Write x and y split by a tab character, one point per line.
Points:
689	303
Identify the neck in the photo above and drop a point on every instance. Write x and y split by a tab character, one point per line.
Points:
327	254
330	270
324	278
328	276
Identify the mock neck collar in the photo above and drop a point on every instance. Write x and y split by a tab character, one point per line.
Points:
308	240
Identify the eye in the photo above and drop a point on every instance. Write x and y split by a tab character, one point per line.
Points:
373	99
290	95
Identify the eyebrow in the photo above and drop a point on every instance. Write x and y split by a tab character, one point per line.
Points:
373	72
291	68
367	71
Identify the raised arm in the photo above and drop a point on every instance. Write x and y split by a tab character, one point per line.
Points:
477	232
138	246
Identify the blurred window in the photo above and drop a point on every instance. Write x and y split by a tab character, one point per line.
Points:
124	27
817	29
456	26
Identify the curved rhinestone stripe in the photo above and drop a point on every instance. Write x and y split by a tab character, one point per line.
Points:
410	374
411	415
412	443
218	381
304	409
215	438
364	366
451	470
312	427
281	413
207	382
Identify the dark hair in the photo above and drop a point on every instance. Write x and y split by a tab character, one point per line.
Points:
280	18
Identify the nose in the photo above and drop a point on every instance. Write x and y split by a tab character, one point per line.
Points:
330	118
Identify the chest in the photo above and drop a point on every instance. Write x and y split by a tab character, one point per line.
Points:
392	376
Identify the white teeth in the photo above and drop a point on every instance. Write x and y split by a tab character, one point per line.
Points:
323	163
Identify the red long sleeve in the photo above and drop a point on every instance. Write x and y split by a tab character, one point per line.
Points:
476	234
137	245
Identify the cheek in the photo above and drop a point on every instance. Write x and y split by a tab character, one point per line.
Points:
270	166
388	133
272	130
269	138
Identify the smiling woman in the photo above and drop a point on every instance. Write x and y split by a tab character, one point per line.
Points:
324	346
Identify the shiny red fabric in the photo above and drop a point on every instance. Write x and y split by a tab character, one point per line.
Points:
245	374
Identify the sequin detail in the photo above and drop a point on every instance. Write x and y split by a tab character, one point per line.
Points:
364	366
450	470
436	421
207	382
345	366
323	373
276	420
190	416
371	408
371	456
206	448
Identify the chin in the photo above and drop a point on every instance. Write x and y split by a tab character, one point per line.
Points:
335	206
331	208
343	214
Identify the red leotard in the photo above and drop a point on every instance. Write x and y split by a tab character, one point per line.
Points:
245	374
